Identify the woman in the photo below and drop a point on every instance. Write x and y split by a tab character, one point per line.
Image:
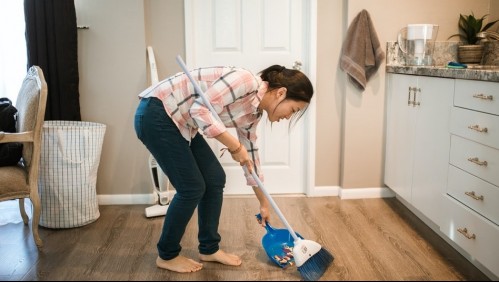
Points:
167	121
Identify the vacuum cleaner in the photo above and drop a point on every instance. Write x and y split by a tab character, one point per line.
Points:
162	188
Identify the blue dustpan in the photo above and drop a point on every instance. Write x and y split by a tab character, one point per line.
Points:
278	244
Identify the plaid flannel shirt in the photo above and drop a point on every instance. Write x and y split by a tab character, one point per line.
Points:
234	93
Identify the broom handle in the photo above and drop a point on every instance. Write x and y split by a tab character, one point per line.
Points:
255	177
273	203
197	88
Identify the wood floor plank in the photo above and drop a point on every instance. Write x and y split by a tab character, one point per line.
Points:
371	239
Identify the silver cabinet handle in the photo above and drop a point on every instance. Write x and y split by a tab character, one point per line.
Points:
414	90
476	127
477	161
409	102
464	231
474	196
483	97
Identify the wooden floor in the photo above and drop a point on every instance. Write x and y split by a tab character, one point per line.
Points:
371	239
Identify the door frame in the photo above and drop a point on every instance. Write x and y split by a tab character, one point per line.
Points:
310	117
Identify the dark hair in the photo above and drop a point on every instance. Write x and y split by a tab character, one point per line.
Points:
298	86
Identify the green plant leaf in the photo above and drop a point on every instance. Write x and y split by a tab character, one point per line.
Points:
470	26
489	25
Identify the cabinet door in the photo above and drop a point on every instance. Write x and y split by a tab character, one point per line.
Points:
400	134
431	145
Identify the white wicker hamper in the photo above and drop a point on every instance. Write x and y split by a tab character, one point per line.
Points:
68	173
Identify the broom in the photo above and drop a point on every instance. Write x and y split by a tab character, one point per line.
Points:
311	259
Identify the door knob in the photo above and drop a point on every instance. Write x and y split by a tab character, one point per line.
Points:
297	65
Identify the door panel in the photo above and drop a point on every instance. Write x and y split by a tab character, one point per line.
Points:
255	34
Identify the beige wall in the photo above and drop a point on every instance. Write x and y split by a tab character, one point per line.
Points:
350	124
111	66
165	33
329	87
494	13
350	134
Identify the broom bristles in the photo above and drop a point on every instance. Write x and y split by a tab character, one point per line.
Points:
316	265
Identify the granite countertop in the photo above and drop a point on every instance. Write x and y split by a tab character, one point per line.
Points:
444	52
442	71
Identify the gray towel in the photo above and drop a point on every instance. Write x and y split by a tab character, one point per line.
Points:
361	52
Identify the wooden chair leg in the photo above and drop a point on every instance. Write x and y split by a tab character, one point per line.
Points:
36	220
23	211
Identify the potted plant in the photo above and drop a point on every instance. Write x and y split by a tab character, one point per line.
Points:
469	26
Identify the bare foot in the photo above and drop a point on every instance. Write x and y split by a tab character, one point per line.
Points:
222	257
179	264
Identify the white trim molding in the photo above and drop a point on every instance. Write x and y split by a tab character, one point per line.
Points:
318	191
126	199
366	193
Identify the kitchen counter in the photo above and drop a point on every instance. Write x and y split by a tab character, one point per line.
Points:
442	71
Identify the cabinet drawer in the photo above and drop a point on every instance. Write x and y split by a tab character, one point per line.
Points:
475	193
461	223
477	126
471	156
477	95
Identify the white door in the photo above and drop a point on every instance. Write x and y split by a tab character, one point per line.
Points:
255	34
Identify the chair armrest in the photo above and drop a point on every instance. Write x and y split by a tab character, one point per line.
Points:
7	137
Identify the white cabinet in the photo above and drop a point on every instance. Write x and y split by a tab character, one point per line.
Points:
471	207
400	132
418	141
442	157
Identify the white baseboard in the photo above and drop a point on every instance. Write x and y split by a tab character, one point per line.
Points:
366	193
126	199
324	191
351	193
318	191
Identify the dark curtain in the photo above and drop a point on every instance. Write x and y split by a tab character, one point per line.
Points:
52	44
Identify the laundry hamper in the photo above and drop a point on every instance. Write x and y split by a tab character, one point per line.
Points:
69	162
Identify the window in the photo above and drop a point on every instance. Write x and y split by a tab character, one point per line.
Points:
13	58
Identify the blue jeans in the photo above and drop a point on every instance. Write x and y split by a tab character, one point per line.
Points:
193	170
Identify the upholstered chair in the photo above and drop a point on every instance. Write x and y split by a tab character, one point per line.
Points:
21	181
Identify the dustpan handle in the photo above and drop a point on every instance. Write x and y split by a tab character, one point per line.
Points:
255	177
268	227
273	203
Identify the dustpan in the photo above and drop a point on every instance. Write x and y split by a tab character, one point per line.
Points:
278	244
